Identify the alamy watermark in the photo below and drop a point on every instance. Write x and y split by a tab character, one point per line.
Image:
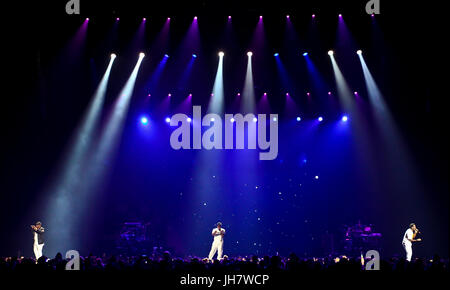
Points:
233	124
373	7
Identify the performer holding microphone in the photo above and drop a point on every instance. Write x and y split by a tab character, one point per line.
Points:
217	245
408	238
38	230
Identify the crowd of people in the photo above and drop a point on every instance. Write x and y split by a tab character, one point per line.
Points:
268	264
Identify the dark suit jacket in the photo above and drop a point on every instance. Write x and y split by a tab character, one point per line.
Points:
40	235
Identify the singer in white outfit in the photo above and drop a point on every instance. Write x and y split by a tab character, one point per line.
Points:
408	238
217	245
38	238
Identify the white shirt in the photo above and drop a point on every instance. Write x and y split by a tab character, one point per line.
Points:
217	236
407	237
35	238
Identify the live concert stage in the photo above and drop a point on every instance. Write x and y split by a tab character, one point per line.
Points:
207	136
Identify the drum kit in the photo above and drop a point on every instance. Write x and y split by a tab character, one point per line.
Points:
360	237
133	236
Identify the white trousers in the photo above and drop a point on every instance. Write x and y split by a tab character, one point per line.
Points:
217	246
38	250
408	249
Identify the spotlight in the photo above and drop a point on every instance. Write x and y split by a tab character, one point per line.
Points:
344	118
308	94
287	94
340	15
355	93
274	119
212	119
169	95
320	119
260	17
221	53
229	17
190	95
299	119
194	55
275	54
168	18
305	54
373	15
144	121
239	94
166	55
144	19
87	19
359	51
329	93
314	16
195	17
167	120
265	94
330	52
113	55
232	120
287	16
249	53
189	120
141	54
254	119
316	177
117	19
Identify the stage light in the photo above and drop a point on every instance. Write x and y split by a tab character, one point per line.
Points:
194	55
167	120
316	177
355	93
308	94
314	16
265	94
275	54
232	120
359	51
113	55
329	93
249	53
229	17
255	119
344	118
287	94
373	15
221	53
239	94
287	16
340	15
87	19
260	17
274	119
141	55
144	19
166	55
330	52
320	119
117	18
212	119
195	17
144	121
169	95
299	119
190	95
168	18
189	120
305	54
